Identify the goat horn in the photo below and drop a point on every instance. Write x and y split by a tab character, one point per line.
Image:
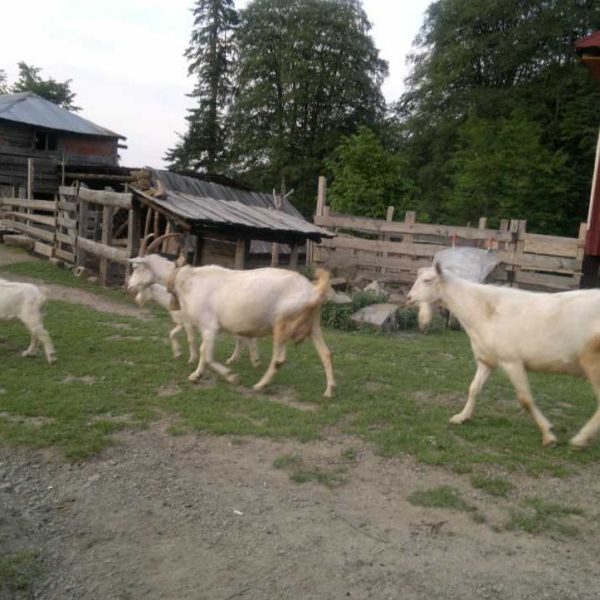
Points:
160	239
144	244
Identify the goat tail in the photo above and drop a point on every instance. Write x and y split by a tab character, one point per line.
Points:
321	285
300	325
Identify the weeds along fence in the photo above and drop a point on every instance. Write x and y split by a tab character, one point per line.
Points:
393	251
96	229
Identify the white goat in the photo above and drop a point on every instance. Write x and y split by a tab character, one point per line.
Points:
158	293
24	301
520	331
251	303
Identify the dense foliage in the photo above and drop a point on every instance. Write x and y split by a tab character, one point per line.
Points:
499	117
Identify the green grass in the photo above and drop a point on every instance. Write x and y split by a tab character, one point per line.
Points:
536	516
394	391
494	486
443	496
17	573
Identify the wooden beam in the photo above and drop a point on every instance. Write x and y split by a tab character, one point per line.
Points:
321	196
97	249
30	178
103	197
241	248
295	248
107	218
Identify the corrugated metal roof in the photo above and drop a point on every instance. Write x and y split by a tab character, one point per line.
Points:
31	109
197	210
206	189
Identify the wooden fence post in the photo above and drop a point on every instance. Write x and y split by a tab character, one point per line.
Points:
241	250
389	217
107	218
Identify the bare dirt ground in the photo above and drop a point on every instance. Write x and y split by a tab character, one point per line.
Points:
201	517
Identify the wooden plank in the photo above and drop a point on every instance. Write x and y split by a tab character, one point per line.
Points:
43	249
64	221
47	205
82	218
64	255
103	197
100	250
66	205
63	238
537	262
107	217
34	232
42	219
551	248
380	226
133	230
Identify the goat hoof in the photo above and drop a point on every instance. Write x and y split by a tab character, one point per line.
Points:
458	419
257	387
232	378
51	360
256	364
193	378
578	444
329	392
549	441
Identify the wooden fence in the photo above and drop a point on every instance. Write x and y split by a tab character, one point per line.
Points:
82	227
393	251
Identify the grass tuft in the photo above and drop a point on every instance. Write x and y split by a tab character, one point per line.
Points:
443	496
537	516
17	574
495	486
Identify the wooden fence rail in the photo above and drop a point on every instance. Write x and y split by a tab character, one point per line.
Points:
393	251
78	227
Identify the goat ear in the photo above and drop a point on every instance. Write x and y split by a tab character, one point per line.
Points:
438	270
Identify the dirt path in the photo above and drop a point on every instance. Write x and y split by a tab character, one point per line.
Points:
10	255
197	517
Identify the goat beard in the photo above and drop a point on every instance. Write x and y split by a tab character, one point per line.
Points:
425	315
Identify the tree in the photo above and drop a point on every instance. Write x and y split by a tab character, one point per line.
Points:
367	178
502	169
3	82
491	58
209	54
58	92
307	73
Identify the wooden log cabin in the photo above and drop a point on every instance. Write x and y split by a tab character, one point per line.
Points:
56	139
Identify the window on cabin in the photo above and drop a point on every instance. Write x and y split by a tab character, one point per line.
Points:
45	140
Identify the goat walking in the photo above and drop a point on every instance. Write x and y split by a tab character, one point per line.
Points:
520	331
248	304
23	301
158	293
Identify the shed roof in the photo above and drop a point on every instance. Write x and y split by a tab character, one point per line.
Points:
30	109
207	189
223	207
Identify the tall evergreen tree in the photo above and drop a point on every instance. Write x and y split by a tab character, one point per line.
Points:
308	73
209	54
58	92
491	58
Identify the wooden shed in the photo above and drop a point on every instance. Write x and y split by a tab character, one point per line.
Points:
229	226
53	139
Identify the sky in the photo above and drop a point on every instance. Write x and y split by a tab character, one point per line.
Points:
125	58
